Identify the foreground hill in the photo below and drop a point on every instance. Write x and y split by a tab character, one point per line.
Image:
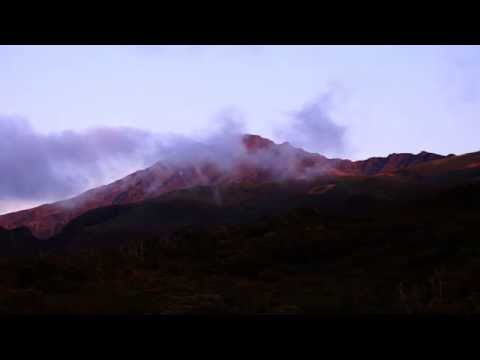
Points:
255	160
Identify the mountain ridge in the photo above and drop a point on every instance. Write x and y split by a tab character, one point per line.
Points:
260	160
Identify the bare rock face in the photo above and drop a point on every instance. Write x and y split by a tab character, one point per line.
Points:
261	161
255	143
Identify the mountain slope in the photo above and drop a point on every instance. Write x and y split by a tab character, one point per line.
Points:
18	241
257	160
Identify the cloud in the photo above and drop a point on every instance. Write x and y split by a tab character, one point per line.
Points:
36	166
312	127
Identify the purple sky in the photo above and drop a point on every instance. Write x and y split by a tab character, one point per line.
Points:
343	101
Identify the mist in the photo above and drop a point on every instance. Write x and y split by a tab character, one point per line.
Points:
40	167
36	165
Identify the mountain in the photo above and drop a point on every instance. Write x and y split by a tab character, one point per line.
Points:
270	230
448	170
255	161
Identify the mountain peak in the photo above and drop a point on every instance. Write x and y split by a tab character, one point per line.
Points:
426	153
254	143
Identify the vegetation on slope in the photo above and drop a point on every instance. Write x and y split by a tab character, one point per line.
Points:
421	256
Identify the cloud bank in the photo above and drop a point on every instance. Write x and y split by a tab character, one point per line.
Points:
36	166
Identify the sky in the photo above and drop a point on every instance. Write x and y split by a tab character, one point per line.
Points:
81	107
